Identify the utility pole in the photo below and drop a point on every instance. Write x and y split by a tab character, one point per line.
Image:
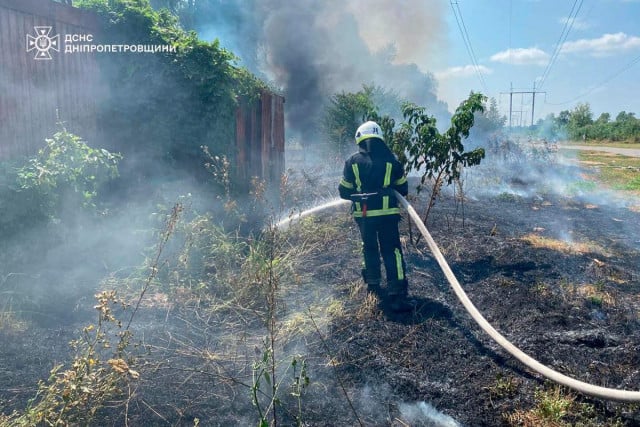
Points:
533	101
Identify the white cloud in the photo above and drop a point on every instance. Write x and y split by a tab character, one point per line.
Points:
461	72
521	56
608	44
578	23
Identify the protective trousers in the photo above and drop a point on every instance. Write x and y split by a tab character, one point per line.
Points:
380	237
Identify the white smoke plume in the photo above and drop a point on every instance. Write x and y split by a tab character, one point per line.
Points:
422	414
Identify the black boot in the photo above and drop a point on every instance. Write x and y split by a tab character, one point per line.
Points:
398	292
372	280
400	304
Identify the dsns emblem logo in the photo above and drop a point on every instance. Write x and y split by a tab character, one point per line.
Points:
43	43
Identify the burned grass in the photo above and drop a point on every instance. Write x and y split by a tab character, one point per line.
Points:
558	277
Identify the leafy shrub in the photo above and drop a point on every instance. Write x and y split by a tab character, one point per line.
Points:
163	107
65	167
21	207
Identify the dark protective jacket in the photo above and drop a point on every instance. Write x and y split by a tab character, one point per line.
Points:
374	171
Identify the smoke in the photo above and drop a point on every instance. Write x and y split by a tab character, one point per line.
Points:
312	50
422	414
373	403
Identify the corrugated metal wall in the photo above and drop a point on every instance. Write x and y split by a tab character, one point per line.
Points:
34	93
260	138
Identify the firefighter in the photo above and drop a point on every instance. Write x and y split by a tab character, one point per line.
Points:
369	178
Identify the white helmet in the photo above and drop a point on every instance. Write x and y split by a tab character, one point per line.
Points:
368	130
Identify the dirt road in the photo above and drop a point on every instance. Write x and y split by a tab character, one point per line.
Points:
632	152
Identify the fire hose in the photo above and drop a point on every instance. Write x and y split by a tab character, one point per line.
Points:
555	376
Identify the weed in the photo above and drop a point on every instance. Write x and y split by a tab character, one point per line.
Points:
506	282
300	383
596	295
568	247
74	395
552	405
504	386
9	321
335	308
100	370
542	289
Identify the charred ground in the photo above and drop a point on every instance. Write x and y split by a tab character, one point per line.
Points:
558	276
568	299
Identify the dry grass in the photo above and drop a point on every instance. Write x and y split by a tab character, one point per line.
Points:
596	294
369	308
542	242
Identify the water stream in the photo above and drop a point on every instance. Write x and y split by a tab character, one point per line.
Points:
330	204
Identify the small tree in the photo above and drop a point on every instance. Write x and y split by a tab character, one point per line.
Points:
343	115
489	119
438	157
347	110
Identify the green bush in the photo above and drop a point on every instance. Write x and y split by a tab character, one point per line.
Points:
21	207
67	170
162	107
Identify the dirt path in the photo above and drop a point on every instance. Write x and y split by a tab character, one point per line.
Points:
632	152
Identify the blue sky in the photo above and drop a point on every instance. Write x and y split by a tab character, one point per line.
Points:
574	51
513	43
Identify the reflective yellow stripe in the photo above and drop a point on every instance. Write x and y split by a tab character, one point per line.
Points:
387	176
356	173
385	203
358	209
346	184
401	181
376	212
399	264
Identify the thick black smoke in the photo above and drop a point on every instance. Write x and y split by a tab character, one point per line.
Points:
313	49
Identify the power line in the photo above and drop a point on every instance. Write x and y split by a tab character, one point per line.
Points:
568	25
602	83
467	42
510	17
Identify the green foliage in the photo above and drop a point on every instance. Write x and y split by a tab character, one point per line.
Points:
633	184
438	157
21	208
68	166
505	386
166	105
344	114
579	125
347	110
553	404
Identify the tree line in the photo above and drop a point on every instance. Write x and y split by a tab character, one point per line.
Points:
579	125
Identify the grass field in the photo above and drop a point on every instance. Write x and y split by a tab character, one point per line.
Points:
615	171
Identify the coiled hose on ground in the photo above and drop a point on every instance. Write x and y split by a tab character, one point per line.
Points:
586	388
